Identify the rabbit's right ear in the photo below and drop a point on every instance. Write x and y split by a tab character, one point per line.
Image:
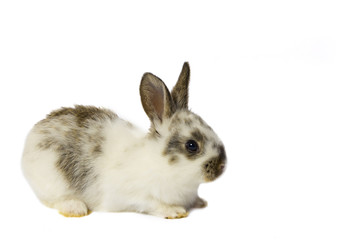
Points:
180	92
156	98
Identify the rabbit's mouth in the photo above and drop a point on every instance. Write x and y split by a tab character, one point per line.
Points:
215	166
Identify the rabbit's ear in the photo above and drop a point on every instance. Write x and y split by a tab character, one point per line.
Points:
180	92
156	98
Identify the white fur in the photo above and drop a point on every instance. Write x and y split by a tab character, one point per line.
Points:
39	169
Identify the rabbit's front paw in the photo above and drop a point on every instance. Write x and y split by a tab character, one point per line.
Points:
178	212
170	212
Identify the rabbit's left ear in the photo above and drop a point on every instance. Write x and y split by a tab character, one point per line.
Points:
156	98
180	92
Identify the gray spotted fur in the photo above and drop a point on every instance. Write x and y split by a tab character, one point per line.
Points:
75	134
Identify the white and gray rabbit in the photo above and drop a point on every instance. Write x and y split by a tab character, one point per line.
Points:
84	159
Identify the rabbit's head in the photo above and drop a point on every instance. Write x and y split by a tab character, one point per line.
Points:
188	140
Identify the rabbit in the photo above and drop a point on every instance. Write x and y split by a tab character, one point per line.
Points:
84	159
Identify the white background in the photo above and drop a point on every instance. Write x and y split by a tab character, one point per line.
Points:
277	80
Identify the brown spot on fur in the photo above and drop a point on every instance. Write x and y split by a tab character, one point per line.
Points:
188	122
129	124
97	149
198	136
175	121
173	159
46	144
202	122
83	114
176	145
215	166
75	134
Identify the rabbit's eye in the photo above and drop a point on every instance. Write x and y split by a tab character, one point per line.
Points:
192	146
